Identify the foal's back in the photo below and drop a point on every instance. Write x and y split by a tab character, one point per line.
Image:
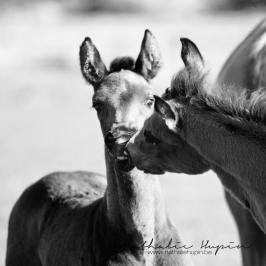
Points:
49	219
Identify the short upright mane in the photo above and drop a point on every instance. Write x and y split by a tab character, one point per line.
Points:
119	63
191	88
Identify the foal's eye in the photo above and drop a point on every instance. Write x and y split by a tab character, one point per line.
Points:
150	102
150	138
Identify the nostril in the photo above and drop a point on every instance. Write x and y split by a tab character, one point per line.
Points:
109	138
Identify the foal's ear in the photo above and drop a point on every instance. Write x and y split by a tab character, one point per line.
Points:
149	60
191	55
165	111
91	64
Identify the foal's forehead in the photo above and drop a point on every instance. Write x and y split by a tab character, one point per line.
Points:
124	84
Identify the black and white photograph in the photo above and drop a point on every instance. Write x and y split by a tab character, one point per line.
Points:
133	133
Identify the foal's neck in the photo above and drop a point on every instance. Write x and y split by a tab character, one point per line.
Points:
134	203
225	143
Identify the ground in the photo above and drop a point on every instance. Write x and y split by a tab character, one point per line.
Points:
46	120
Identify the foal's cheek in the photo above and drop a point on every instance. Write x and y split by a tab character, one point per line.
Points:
135	153
132	150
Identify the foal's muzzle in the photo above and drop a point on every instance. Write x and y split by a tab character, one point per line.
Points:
116	141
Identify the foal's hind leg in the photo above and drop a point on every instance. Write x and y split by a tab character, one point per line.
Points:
250	234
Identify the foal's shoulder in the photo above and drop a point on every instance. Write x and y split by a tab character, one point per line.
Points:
58	192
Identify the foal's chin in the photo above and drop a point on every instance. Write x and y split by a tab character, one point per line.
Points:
141	164
156	172
151	169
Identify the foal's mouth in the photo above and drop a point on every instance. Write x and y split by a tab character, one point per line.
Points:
123	161
117	149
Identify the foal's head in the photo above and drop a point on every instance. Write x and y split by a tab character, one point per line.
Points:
123	96
158	147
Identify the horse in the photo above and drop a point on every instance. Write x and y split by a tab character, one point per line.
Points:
245	68
225	125
74	218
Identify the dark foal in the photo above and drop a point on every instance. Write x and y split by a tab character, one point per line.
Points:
225	125
73	218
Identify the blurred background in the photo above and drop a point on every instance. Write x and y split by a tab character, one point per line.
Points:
46	120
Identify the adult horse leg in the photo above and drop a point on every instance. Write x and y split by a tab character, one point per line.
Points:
249	232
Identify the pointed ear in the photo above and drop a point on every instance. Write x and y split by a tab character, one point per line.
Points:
191	55
165	111
91	64
149	60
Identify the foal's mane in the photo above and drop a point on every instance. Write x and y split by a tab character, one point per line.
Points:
190	87
119	63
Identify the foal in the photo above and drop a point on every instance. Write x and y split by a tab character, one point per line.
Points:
73	218
225	126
